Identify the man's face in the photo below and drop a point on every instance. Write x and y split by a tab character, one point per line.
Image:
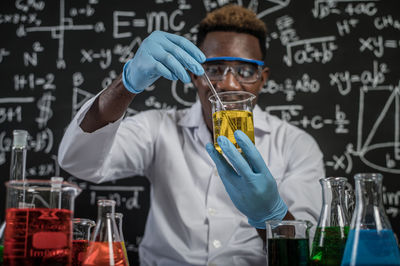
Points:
228	44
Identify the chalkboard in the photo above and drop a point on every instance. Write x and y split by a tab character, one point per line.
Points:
334	73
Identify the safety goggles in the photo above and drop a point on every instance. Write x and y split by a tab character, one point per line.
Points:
246	71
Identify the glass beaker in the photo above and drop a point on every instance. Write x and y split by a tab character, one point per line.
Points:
371	240
80	239
236	112
105	247
333	224
287	242
38	234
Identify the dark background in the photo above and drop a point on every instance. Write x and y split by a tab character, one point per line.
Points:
334	73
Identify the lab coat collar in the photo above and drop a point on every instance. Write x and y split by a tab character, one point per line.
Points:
193	116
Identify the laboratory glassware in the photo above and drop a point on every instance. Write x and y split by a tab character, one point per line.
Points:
82	229
105	247
231	111
287	242
118	219
371	240
17	171
333	223
37	233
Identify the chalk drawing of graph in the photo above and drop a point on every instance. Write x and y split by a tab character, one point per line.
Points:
58	31
382	155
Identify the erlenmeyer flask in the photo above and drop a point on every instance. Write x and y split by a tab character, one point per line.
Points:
118	218
80	239
371	240
105	247
333	224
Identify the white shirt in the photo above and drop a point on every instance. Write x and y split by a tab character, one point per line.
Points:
192	220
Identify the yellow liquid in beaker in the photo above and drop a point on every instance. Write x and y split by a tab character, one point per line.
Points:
223	121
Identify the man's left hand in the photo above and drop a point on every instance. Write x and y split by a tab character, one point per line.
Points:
248	181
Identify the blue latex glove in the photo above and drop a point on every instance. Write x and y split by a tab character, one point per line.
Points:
162	54
251	187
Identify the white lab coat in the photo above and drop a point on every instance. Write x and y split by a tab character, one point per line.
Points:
192	220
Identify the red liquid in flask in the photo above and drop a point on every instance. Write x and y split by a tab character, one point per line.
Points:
79	248
98	254
38	236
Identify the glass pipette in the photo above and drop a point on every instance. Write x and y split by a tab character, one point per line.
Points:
219	101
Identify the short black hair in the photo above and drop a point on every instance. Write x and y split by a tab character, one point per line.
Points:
233	18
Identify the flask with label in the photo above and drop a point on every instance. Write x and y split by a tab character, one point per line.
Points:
105	247
333	224
371	240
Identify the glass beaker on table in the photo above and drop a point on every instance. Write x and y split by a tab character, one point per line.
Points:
232	111
38	233
287	242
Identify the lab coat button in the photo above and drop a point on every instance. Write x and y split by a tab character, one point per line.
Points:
217	243
212	211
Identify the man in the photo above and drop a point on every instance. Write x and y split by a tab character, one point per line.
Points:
200	214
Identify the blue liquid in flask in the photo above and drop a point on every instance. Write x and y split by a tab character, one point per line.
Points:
373	248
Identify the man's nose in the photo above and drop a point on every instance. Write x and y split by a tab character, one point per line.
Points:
228	83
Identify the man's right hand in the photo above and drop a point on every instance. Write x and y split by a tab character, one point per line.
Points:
162	54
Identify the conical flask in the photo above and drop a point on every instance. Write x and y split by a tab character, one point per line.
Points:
82	229
333	224
105	247
118	218
371	240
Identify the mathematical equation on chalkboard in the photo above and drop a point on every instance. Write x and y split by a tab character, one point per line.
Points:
333	74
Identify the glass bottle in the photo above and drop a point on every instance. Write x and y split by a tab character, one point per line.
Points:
17	172
371	240
105	247
333	224
118	218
